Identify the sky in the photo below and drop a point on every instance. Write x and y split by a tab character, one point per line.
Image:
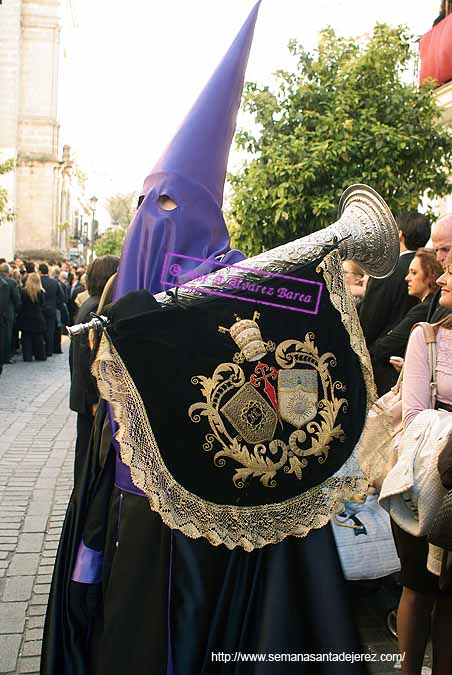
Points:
131	71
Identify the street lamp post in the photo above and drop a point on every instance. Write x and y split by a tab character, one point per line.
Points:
85	241
93	205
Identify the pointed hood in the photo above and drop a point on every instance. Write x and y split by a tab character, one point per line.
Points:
200	149
166	245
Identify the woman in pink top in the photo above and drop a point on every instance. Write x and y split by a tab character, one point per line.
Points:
423	607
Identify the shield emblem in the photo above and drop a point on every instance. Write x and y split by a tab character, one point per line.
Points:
297	396
251	415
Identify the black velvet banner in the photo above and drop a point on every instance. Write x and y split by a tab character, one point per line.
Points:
240	432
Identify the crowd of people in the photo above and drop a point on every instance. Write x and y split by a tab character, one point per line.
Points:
420	289
37	301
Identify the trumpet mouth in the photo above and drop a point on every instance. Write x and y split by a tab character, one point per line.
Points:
362	208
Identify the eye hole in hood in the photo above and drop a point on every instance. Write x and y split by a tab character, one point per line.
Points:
166	203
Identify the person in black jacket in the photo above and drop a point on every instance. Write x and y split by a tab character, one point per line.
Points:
386	300
423	272
84	396
76	288
4	297
53	301
11	312
31	320
62	316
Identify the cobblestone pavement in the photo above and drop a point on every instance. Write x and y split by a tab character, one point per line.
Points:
37	435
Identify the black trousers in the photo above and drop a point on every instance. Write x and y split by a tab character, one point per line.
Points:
50	334
57	340
15	342
7	346
2	342
33	344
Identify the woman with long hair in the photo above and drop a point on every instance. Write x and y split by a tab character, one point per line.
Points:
83	397
423	606
422	276
31	320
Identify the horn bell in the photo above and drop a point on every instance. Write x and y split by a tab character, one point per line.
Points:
374	240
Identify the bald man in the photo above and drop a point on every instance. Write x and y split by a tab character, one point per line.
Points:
442	243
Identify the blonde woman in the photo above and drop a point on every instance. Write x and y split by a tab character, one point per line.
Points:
31	320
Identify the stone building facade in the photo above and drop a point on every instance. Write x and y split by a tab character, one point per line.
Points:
40	189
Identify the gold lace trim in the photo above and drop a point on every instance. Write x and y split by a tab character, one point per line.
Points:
249	527
342	300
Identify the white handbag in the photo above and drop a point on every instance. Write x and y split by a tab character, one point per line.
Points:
364	541
412	491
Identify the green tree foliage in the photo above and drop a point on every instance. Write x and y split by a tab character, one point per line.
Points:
110	243
347	114
5	213
121	208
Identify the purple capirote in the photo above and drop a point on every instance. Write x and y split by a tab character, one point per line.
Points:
191	172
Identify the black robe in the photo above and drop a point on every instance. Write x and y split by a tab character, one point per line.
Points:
168	604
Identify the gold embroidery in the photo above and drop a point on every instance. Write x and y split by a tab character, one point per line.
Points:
261	461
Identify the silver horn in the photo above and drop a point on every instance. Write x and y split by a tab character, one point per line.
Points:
366	232
97	322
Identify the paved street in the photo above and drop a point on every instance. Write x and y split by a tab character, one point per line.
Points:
37	434
36	460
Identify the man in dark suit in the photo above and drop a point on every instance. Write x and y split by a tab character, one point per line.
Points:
4	297
11	312
386	300
53	300
441	243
